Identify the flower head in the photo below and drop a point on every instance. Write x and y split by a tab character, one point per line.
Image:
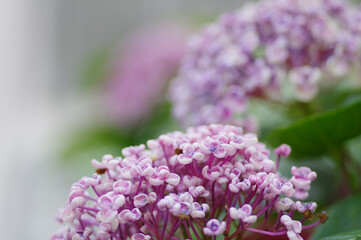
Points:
257	50
146	195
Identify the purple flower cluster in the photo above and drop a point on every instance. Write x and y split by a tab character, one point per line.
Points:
260	49
189	186
144	65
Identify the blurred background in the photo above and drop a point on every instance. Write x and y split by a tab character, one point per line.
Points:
52	55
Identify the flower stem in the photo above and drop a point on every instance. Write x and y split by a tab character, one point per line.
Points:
268	206
165	223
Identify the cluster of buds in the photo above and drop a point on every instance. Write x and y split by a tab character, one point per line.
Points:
260	49
210	181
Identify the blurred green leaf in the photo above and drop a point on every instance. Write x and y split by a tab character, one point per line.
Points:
95	141
316	134
354	147
159	122
354	235
343	217
96	69
341	96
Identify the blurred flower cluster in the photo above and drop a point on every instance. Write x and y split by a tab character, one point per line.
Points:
143	66
179	186
258	50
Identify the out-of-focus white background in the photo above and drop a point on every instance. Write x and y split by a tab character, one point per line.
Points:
44	45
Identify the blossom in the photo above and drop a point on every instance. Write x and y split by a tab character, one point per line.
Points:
142	67
161	175
111	200
243	213
212	146
284	204
277	187
284	150
258	51
236	185
129	216
144	195
189	153
307	208
140	236
303	207
293	227
214	227
302	178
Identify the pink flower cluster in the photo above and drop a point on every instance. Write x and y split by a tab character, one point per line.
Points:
189	186
260	49
144	65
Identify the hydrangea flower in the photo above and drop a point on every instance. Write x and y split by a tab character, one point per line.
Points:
255	51
144	65
153	193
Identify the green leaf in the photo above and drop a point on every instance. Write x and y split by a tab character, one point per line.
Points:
354	235
341	96
95	142
159	122
96	69
316	134
343	217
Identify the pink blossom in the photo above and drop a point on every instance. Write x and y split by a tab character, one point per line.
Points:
284	204
107	215
111	200
140	200
284	150
236	186
129	216
161	175
302	176
214	227
277	187
122	187
189	153
303	207
198	191
199	210
140	236
212	173
108	162
211	146
142	67
244	213
293	227
133	167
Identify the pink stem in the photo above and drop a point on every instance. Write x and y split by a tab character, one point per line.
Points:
312	225
165	223
268	206
96	192
278	161
266	232
90	209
